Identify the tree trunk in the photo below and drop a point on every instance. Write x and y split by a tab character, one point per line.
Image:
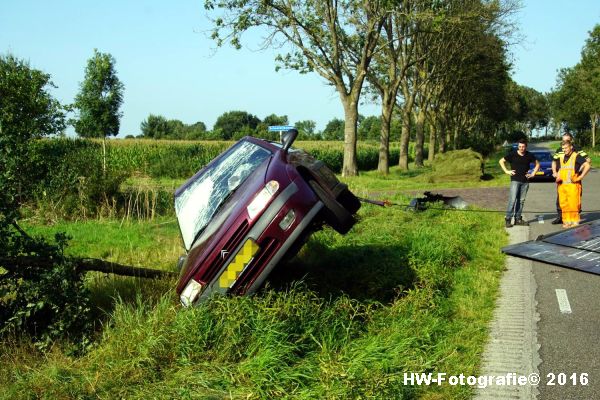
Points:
432	134
387	108
350	165
594	120
404	139
88	264
420	137
442	135
455	139
104	155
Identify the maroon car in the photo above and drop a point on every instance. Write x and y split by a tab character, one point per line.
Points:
252	206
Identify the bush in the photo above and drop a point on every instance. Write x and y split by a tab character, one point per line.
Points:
456	166
70	179
45	298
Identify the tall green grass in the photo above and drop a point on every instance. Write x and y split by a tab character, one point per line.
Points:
402	292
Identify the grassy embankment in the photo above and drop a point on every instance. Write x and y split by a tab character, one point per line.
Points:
402	292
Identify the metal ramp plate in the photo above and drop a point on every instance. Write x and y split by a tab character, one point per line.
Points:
577	248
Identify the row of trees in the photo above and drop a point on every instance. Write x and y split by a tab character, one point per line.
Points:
575	102
440	64
235	124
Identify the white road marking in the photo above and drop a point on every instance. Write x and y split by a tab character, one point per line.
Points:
563	301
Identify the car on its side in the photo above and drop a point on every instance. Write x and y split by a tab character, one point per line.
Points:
250	208
545	159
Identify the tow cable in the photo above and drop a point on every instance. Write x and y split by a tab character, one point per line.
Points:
419	203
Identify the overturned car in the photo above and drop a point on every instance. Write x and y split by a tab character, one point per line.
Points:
248	209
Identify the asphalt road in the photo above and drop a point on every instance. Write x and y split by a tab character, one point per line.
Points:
569	342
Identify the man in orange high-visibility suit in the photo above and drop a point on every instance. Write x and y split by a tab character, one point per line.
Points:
573	168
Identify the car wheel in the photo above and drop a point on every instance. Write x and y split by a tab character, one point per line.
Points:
335	214
349	201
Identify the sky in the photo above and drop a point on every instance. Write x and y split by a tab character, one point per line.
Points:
171	67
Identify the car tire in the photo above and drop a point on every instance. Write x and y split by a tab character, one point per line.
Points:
349	201
335	214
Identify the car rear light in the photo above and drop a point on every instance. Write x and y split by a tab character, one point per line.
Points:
262	199
190	294
288	220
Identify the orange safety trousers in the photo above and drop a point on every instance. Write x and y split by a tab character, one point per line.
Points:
569	193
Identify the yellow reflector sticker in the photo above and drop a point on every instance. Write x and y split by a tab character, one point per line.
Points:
242	258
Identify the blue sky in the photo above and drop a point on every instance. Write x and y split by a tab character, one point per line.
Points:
169	65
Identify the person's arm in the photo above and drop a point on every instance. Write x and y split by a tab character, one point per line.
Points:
583	170
554	169
506	171
585	155
535	169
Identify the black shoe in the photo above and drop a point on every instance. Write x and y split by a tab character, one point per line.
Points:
521	222
508	224
557	221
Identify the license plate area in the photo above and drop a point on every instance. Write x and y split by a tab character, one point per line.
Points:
241	260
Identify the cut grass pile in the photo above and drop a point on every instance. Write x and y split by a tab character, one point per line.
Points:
402	292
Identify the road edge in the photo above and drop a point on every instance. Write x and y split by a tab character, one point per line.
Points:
512	343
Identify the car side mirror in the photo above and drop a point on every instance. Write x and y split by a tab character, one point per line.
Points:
288	138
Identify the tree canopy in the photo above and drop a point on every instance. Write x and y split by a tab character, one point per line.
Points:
158	127
27	111
576	98
99	99
235	123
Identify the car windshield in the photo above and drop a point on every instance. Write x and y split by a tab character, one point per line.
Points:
199	201
543	157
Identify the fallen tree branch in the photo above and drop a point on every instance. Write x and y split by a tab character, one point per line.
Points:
86	264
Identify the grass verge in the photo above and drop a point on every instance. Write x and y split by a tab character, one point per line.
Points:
402	292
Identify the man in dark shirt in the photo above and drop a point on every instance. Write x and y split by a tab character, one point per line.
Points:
519	184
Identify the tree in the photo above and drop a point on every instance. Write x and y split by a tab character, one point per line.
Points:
233	122
334	130
158	127
591	79
306	130
335	39
27	111
390	67
99	99
44	302
196	131
567	101
262	129
370	128
155	127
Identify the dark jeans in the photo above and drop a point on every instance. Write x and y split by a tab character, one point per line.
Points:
516	199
